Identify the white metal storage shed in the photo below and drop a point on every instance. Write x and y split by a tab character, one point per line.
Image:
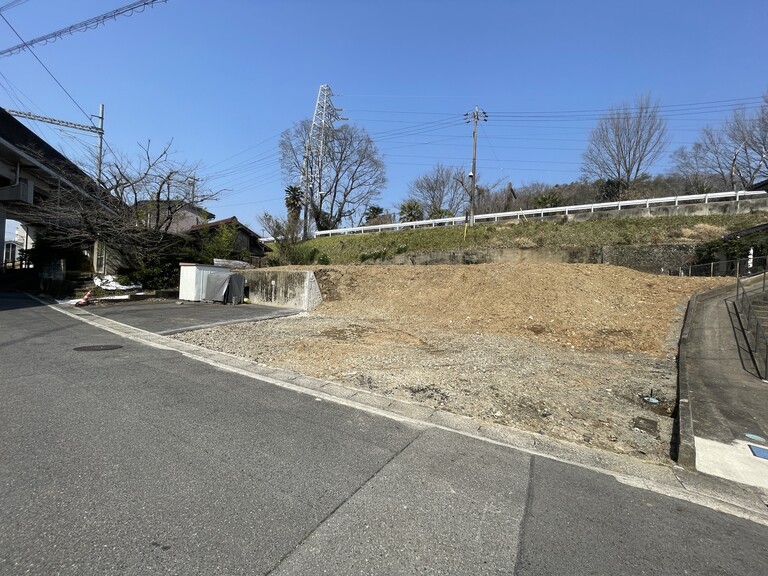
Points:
193	279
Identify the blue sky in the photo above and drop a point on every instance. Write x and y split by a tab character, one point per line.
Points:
224	79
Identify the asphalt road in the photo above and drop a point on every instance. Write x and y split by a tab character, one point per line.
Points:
132	459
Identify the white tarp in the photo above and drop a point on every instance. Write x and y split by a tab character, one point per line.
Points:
109	282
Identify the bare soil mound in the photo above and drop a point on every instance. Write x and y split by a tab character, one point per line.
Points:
580	306
565	350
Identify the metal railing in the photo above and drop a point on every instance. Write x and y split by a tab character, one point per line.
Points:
755	333
543	212
737	268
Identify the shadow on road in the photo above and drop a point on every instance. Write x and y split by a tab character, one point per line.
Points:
10	300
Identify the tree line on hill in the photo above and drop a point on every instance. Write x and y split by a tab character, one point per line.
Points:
133	206
616	165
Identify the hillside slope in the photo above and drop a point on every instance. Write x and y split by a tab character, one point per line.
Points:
691	230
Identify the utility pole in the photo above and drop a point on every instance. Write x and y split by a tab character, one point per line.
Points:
314	148
100	155
475	116
306	187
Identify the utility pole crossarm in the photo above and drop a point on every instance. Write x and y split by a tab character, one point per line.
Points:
64	123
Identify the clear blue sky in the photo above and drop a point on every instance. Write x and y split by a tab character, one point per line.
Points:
223	79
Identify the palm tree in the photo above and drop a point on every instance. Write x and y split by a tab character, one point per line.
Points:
411	211
372	213
293	203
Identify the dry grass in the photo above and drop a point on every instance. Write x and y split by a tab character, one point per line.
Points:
703	232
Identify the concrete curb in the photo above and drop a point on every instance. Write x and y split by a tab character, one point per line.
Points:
683	442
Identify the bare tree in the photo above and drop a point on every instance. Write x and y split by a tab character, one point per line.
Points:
287	235
735	156
625	143
490	198
351	177
440	192
693	165
154	189
133	210
747	135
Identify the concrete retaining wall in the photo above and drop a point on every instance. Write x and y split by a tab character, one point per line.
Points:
650	258
506	255
287	288
643	258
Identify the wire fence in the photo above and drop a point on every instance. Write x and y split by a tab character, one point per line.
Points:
742	267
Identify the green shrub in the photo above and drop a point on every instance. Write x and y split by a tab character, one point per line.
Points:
323	259
379	254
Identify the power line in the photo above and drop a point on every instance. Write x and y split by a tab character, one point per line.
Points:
49	72
670	111
89	24
12	5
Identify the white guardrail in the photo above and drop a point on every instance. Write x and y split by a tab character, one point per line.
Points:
541	212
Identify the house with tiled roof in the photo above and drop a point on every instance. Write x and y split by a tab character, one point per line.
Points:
248	244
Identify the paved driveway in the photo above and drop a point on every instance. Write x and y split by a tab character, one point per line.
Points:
177	316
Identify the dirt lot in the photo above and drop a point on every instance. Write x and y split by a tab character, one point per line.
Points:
563	350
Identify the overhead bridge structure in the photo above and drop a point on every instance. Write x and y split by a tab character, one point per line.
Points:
32	171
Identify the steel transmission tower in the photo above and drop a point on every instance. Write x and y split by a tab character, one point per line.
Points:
314	147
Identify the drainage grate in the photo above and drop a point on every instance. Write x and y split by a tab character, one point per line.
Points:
759	452
97	348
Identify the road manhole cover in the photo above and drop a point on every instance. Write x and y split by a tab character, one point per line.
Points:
97	348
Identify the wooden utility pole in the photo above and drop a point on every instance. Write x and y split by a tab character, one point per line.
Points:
475	116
